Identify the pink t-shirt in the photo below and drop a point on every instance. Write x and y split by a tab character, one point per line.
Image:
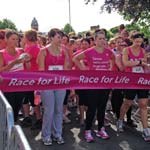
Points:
54	62
98	61
33	51
132	57
9	58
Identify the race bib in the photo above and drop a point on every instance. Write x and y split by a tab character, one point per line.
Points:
138	69
55	67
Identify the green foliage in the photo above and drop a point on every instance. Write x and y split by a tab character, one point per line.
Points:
137	11
132	26
114	30
146	31
109	35
68	28
6	23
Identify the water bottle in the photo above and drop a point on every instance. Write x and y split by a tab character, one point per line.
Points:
37	97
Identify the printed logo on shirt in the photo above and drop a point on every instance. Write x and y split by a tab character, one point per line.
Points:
55	67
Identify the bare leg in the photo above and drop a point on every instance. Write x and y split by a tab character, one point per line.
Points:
124	108
143	111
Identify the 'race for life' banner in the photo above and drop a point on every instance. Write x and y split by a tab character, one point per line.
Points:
28	81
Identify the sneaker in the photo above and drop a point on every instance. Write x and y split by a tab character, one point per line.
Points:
146	135
47	141
119	125
26	122
59	140
66	119
102	134
131	123
88	136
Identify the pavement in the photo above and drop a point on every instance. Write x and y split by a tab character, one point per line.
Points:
73	133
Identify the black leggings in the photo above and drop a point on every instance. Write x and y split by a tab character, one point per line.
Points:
83	96
66	97
116	102
15	99
97	100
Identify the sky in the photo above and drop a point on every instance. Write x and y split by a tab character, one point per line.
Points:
55	13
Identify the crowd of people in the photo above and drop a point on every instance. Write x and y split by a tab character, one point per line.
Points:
29	51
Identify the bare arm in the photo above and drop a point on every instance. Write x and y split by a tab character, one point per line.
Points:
9	66
1	61
118	62
68	61
78	61
112	62
41	60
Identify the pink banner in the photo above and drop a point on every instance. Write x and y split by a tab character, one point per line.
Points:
28	81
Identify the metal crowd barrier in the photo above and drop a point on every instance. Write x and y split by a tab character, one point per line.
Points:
6	122
18	140
11	136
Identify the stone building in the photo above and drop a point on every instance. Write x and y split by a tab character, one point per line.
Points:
34	24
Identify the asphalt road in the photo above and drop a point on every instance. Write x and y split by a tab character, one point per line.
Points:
73	133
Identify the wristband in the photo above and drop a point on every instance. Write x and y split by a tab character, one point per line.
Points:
140	62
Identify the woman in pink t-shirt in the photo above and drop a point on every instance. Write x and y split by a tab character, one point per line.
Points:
32	49
98	58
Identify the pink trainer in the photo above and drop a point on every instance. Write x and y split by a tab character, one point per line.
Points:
88	136
102	134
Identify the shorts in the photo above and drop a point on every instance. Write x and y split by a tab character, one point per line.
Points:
130	94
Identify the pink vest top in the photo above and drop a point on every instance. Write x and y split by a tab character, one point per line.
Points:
98	61
9	58
54	62
132	57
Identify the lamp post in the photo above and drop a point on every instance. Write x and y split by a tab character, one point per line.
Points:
69	13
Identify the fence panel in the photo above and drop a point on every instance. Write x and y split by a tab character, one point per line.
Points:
18	140
6	122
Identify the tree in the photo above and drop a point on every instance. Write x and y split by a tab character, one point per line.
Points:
6	23
136	10
68	28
